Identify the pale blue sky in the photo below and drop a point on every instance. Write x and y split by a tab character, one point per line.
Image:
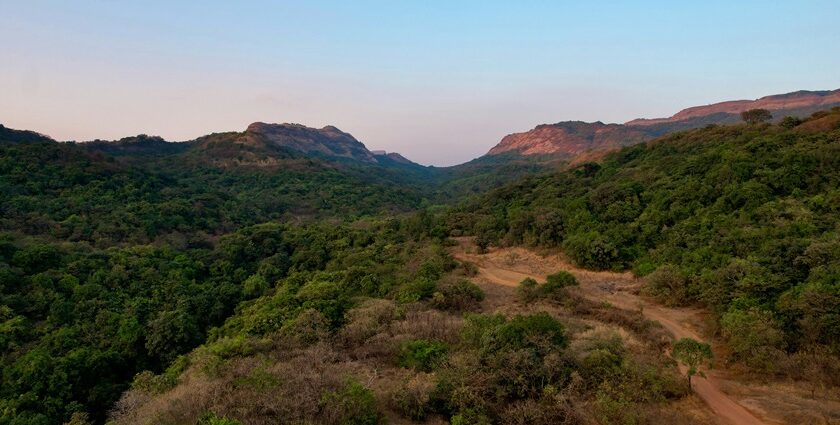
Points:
439	81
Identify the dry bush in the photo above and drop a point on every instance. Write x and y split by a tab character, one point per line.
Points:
309	327
468	269
816	366
650	332
547	411
429	325
412	398
251	390
456	295
368	319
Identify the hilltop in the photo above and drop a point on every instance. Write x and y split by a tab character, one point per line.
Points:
577	140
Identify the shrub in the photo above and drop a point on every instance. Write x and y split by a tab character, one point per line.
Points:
416	290
469	269
309	327
598	365
561	279
211	418
413	397
592	250
355	404
254	286
668	285
554	287
470	417
753	335
527	290
366	320
532	331
548	410
458	296
422	355
556	284
790	122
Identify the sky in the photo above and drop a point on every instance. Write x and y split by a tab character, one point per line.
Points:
439	81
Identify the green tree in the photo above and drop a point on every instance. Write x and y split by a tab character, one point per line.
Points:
755	116
693	354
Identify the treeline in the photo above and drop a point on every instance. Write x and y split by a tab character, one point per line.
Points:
74	193
742	219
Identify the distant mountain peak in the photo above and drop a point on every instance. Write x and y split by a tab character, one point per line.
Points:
776	102
329	141
578	139
394	156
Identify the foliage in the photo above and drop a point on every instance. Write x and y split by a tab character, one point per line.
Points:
755	116
553	288
211	418
693	354
527	290
77	323
461	295
422	355
739	218
353	405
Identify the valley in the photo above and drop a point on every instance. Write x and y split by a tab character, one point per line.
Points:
288	274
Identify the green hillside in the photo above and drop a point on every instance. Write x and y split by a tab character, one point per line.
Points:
742	219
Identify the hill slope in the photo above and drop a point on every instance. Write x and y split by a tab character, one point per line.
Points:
743	219
576	139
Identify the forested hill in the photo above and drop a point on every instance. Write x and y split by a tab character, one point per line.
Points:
120	257
142	189
743	219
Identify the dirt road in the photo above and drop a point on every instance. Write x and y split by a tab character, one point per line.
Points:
508	267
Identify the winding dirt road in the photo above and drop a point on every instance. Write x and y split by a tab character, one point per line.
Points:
508	267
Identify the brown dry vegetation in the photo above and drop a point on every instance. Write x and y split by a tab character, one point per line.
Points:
803	390
611	370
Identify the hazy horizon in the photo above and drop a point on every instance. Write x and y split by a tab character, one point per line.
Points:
439	83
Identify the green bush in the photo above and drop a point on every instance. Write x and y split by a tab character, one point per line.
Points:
561	279
354	404
527	290
416	290
753	336
555	285
668	285
536	331
470	416
211	418
422	355
458	296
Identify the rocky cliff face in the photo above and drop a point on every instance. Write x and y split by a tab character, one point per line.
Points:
577	139
328	141
570	138
776	103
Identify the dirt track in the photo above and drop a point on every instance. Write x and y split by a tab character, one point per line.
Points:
508	267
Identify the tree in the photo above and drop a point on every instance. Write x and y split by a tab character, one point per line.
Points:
693	354
755	116
790	122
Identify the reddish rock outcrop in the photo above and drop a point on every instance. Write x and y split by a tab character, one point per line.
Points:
577	139
779	102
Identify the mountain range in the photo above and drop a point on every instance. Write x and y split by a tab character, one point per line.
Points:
265	145
576	139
